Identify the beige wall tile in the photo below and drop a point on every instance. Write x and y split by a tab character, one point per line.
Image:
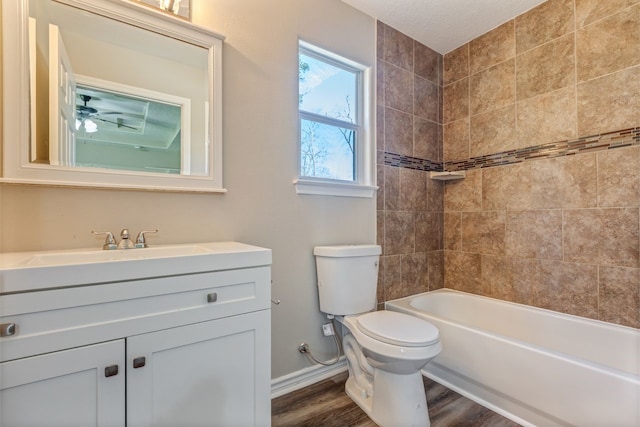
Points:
599	98
429	231
602	236
619	177
427	62
493	88
464	194
493	131
380	131
435	261
548	67
568	288
425	99
435	195
398	132
492	48
380	27
391	186
551	19
509	279
547	118
456	64
380	82
380	288
496	276
426	139
534	234
589	11
564	182
398	88
452	231
619	296
609	45
456	140
483	232
413	190
398	48
415	278
456	101
462	271
507	187
380	192
380	229
525	273
393	284
399	232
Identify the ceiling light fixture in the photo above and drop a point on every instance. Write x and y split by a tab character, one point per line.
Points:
89	125
172	6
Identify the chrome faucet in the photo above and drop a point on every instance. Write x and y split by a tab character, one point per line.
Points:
125	239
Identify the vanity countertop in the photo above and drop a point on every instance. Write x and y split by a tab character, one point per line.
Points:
34	271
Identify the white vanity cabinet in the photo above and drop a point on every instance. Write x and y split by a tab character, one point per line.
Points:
182	349
65	388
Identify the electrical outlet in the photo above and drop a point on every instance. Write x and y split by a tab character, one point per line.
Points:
327	330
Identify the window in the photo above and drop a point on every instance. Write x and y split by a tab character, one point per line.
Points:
335	152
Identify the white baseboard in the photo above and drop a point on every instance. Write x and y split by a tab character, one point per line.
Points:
305	377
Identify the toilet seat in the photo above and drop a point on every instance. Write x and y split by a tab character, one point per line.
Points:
398	328
387	349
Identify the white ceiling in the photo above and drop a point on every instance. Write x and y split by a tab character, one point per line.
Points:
443	25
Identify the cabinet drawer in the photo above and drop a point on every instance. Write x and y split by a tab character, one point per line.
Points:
78	316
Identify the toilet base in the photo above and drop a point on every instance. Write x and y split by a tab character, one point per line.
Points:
397	400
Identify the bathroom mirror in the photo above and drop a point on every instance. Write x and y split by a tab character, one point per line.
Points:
110	93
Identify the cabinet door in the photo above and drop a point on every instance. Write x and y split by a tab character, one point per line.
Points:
214	373
65	388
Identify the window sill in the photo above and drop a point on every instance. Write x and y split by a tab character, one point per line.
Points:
323	188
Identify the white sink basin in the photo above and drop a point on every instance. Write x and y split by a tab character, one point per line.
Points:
34	271
83	257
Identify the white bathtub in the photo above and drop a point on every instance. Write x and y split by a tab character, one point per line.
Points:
535	366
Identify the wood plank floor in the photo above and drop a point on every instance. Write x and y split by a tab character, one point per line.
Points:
325	404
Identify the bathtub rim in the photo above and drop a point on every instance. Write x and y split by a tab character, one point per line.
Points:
587	363
552	313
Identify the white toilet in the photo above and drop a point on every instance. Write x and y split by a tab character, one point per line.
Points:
385	350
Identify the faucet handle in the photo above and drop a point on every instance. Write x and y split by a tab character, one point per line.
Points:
109	241
141	242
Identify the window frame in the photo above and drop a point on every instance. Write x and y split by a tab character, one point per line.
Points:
363	184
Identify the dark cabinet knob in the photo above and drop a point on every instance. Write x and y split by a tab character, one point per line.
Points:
111	371
7	329
139	362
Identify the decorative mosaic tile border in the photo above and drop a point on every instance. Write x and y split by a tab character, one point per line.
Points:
398	160
587	144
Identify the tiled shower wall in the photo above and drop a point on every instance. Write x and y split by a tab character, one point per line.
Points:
559	233
410	206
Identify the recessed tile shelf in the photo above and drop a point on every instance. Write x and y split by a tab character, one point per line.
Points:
447	176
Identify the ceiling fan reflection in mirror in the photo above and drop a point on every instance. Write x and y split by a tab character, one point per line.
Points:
85	116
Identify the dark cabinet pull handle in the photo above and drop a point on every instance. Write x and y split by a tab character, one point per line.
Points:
139	362
212	297
111	371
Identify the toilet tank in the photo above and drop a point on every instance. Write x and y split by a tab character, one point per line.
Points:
347	278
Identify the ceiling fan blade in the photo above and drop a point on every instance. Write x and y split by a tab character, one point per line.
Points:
116	123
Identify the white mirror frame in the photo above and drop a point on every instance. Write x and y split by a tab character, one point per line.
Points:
16	108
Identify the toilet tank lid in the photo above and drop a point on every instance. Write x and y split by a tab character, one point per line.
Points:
338	251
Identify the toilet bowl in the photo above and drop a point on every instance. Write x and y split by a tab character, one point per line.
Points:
385	353
385	350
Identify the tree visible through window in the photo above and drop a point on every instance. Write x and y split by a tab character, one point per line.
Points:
329	106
